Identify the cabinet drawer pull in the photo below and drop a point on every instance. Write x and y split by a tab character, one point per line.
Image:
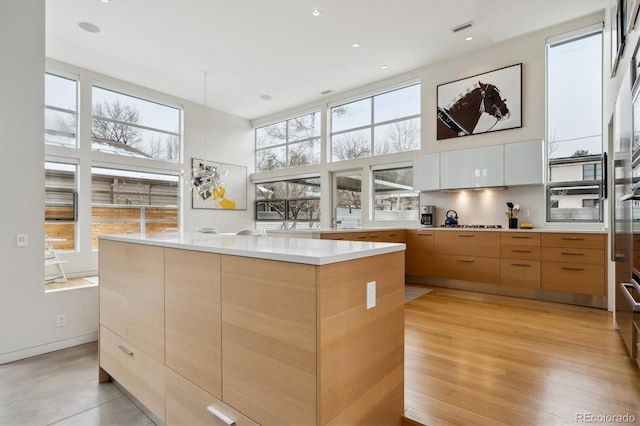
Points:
465	260
362	237
521	236
372	236
424	235
222	416
126	350
520	251
520	264
571	269
568	253
572	238
466	235
392	235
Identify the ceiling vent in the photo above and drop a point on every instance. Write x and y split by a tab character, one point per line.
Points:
463	27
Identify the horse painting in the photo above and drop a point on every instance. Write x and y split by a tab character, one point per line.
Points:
461	116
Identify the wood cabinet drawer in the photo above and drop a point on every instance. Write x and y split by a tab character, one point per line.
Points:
360	236
387	236
520	273
520	238
555	239
337	236
578	278
520	252
187	404
467	268
467	243
137	371
573	255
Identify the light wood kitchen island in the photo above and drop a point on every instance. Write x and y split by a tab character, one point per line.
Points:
209	329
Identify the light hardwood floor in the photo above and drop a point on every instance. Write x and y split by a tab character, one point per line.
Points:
477	359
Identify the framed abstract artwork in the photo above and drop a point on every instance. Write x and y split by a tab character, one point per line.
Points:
481	103
216	185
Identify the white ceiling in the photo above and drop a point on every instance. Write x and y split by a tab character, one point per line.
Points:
277	47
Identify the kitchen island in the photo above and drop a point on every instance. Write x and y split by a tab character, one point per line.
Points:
204	328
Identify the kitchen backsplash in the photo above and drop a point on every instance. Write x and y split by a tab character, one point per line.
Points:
488	207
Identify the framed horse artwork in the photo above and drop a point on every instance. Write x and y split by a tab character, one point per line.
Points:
481	103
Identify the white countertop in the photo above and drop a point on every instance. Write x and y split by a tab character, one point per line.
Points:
297	250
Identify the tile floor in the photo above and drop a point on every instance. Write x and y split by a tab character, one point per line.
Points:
61	388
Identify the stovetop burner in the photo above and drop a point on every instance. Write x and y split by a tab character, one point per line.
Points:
472	226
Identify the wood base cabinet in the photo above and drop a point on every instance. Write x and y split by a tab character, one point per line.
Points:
419	253
253	341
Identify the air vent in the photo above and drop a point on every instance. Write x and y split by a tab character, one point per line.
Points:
463	27
325	92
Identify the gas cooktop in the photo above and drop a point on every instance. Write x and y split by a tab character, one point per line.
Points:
472	226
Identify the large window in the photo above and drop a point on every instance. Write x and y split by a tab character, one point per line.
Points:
127	125
382	124
288	204
128	201
394	197
290	143
60	111
574	127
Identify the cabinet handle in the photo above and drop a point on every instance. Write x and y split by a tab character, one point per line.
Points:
466	235
521	236
361	237
465	260
572	238
520	251
392	235
126	350
568	253
424	235
222	416
571	269
520	264
373	236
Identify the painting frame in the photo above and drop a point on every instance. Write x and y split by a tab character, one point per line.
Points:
508	98
233	193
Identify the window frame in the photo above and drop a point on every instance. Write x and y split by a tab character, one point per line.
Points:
389	167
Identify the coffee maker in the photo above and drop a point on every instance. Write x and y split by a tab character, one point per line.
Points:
428	216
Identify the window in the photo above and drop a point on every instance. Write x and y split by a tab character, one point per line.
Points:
394	197
131	126
574	127
60	204
60	111
382	124
288	204
129	201
291	143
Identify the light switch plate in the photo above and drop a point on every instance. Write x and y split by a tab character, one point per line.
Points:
371	294
22	240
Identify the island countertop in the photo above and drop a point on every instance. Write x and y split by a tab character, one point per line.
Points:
297	250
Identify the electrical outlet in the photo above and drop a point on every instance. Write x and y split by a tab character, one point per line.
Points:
61	321
525	213
371	295
22	240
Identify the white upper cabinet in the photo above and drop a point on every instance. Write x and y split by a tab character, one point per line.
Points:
472	168
523	163
426	172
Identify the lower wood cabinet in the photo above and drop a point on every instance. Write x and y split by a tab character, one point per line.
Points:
520	273
468	268
419	254
188	404
137	371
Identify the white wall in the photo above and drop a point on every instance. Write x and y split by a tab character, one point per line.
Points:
27	313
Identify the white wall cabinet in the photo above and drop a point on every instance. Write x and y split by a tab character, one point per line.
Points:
426	172
523	163
472	168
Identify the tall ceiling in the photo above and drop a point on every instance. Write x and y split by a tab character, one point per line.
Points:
254	48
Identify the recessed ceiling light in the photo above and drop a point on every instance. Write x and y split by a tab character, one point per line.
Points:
316	12
384	67
105	1
245	103
469	38
87	26
265	97
355	44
